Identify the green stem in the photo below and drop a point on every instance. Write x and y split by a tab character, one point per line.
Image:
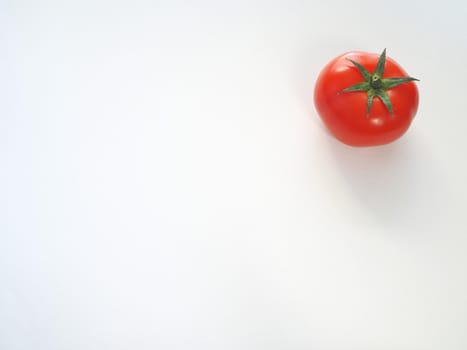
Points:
376	82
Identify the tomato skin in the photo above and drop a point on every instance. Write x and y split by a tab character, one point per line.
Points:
344	113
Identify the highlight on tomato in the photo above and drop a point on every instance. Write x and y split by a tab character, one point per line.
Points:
365	99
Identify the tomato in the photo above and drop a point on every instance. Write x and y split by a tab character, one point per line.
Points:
365	99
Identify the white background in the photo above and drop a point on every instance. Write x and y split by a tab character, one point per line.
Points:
166	183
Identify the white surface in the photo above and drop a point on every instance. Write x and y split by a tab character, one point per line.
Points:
166	183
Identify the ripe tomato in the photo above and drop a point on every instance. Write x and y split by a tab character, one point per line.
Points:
365	99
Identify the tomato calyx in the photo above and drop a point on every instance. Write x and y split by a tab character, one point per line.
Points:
375	85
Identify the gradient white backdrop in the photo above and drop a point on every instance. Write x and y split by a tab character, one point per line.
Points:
166	183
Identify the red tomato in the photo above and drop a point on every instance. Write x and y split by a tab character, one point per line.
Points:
365	99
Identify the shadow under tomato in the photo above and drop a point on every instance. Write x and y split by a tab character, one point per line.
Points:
400	185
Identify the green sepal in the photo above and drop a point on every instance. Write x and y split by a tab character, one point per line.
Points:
379	71
363	70
383	95
389	83
363	86
369	101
